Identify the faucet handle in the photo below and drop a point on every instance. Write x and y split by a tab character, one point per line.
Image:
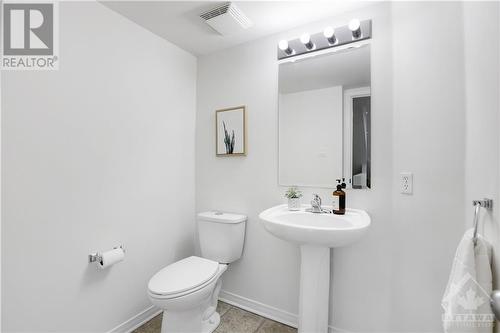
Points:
317	198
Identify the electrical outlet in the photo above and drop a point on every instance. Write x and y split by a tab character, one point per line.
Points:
406	182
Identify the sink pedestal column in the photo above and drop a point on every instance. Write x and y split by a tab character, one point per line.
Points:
314	289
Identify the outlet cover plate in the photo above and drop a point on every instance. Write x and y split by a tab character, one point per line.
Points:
406	182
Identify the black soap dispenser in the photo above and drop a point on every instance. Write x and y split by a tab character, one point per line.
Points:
338	206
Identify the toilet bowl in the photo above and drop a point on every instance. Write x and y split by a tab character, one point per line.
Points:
187	290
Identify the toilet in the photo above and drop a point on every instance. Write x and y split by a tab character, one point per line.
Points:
187	290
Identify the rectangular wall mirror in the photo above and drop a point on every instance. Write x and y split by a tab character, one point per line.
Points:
324	119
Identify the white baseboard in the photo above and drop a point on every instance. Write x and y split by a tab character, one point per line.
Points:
259	308
267	311
244	303
137	320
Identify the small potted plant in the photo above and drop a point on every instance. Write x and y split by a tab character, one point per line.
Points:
293	195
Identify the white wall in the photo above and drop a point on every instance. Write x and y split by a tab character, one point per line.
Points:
310	137
394	278
1	196
96	154
482	70
429	139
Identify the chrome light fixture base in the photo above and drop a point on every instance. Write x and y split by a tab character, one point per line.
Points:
343	35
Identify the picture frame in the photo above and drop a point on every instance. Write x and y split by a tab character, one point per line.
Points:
230	132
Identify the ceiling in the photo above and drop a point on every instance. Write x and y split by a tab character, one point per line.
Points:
349	68
179	21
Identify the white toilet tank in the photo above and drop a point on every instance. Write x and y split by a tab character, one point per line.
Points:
221	236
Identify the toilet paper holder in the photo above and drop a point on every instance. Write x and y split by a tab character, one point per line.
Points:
96	256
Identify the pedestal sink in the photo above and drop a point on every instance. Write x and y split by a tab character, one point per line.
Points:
316	233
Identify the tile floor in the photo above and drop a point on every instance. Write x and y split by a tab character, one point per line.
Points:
233	320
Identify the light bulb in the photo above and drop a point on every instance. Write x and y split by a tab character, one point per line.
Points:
306	40
329	34
354	24
355	27
283	45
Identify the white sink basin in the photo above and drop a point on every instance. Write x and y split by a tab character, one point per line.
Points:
324	229
316	234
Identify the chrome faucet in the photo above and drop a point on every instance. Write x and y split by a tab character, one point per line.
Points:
316	204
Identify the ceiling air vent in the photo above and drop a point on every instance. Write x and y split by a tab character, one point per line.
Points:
227	19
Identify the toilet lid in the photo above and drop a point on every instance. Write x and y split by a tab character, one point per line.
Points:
183	275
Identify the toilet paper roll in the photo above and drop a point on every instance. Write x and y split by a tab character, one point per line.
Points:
111	257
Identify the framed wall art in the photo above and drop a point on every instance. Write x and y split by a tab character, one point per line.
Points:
230	131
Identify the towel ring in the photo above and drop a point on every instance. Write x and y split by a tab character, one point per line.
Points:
485	203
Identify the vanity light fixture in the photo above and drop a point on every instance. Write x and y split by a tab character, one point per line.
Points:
329	34
283	46
355	27
354	32
306	40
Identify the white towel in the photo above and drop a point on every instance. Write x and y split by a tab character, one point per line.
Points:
466	301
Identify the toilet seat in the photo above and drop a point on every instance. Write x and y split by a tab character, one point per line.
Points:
183	277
